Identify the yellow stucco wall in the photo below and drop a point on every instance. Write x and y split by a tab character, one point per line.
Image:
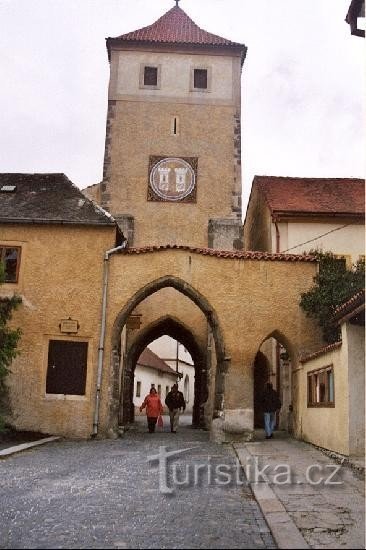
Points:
249	297
60	277
147	126
327	426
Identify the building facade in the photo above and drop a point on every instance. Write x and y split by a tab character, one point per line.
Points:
168	263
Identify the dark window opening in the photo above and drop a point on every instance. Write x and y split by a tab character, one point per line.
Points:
138	389
10	258
175	126
150	76
67	366
200	78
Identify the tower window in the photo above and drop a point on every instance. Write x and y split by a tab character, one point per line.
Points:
175	126
200	79
150	76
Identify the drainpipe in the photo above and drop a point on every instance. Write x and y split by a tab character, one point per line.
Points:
102	332
278	249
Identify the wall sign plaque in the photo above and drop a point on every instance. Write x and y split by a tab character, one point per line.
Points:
69	326
134	322
172	179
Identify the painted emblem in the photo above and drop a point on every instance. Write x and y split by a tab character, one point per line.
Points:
172	179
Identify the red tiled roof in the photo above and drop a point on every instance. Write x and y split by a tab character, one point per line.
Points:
224	253
149	359
175	27
354	305
320	196
319	352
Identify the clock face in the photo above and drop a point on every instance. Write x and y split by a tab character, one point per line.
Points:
172	179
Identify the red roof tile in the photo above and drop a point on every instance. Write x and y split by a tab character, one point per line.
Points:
321	196
223	253
354	305
149	359
319	352
175	27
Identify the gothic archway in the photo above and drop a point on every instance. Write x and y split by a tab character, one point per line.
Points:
171	327
175	329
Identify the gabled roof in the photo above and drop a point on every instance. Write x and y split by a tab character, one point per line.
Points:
175	27
149	359
47	198
336	197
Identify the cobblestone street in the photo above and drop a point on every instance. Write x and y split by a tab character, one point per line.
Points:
105	494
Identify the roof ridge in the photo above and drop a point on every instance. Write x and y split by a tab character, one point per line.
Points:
176	27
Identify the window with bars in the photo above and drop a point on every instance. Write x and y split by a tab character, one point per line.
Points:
10	258
67	367
321	387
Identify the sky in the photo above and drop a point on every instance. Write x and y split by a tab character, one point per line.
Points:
303	83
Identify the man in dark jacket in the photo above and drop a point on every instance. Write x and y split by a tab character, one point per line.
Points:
175	402
271	403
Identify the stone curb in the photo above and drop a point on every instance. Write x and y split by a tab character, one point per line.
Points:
283	529
24	446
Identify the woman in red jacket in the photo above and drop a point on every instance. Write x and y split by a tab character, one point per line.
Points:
154	409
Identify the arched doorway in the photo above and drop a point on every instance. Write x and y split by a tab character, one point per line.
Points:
273	364
121	407
176	330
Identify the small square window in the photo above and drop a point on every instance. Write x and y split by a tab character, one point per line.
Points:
10	258
200	79
150	76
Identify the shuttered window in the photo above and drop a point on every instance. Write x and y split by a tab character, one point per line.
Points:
67	367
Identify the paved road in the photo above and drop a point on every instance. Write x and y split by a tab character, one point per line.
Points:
105	494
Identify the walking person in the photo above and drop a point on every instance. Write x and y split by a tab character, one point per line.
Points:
154	409
175	402
271	404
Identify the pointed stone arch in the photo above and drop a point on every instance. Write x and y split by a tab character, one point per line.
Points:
167	325
282	376
173	325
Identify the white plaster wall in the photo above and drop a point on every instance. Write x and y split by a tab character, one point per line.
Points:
354	338
346	241
147	377
166	348
326	426
175	74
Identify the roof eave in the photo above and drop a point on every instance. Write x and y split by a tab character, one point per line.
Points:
46	221
279	215
118	42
